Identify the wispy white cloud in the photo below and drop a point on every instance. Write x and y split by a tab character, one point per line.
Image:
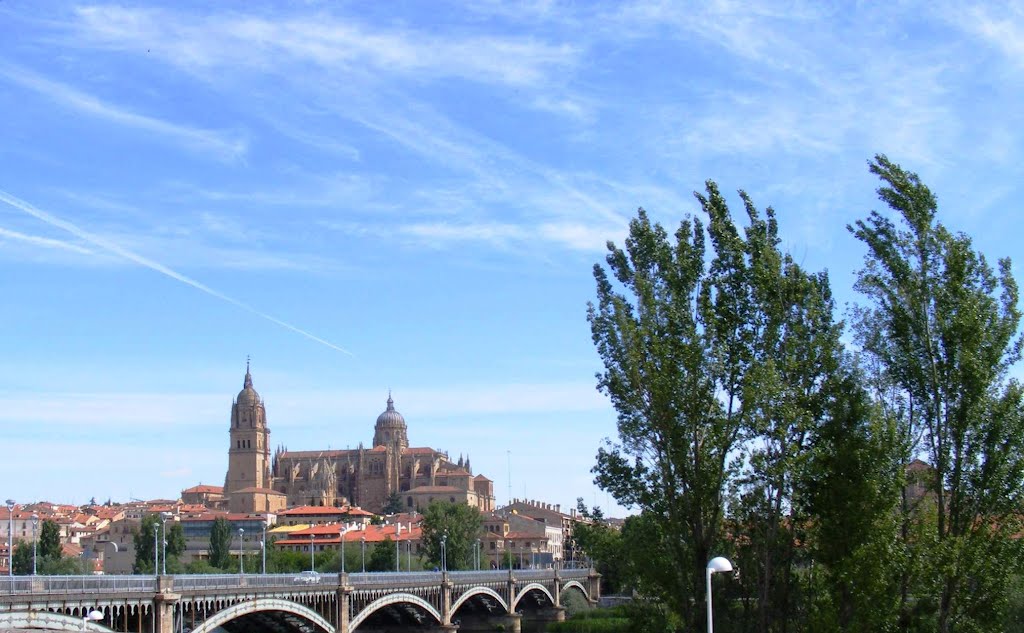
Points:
191	137
325	41
46	242
131	256
1001	26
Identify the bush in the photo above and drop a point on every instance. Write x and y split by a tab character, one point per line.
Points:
591	625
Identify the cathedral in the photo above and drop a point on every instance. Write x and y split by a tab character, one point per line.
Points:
364	477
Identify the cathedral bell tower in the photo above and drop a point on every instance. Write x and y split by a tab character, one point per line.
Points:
249	454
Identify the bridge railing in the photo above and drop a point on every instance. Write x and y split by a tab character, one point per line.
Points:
574	573
479	575
193	582
77	584
392	578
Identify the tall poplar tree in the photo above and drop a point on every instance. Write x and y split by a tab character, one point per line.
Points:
675	333
944	324
220	543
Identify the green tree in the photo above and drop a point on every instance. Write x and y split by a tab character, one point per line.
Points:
49	540
176	543
22	562
393	505
200	566
851	498
220	543
676	331
794	353
145	543
64	566
593	538
382	557
459	524
944	325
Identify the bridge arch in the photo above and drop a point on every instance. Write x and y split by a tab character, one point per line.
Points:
476	591
390	599
46	620
575	584
262	604
533	586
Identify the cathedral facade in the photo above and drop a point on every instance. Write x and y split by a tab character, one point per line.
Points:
367	477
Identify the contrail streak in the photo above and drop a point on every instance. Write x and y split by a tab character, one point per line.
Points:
95	240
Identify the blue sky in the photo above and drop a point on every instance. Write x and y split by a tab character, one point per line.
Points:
365	196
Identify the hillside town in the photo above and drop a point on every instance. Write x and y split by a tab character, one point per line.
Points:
312	501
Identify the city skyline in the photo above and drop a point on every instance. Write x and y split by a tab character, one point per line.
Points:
365	199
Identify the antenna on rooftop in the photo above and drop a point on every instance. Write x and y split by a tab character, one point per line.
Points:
509	455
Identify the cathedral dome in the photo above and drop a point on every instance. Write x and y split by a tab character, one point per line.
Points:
390	417
247	396
390	429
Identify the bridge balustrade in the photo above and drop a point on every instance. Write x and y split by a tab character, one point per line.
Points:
77	584
390	578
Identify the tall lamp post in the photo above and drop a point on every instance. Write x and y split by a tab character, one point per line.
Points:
444	552
362	542
241	552
312	560
341	533
715	565
478	554
263	549
156	549
10	537
163	532
35	524
398	547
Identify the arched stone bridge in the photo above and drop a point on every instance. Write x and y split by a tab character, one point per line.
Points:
339	603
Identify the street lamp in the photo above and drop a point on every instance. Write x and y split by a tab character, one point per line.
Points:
362	542
35	524
163	532
241	551
341	534
263	549
312	561
93	616
10	537
398	547
716	564
478	554
156	549
444	552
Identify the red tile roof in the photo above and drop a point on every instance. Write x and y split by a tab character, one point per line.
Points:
328	534
205	488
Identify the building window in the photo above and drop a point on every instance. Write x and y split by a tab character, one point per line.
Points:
494	545
409	502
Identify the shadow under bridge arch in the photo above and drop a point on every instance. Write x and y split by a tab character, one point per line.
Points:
266	614
482	594
540	593
400	607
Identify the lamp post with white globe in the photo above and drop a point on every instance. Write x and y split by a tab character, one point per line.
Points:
715	565
91	616
10	537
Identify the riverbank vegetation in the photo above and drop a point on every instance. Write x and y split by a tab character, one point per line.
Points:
862	476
